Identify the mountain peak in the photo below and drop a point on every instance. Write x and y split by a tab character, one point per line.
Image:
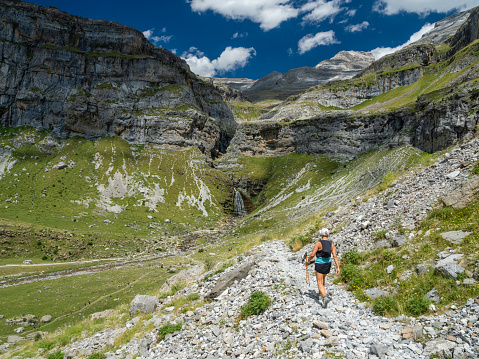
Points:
347	61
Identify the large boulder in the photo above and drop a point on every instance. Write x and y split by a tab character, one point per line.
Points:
227	279
463	195
144	304
46	318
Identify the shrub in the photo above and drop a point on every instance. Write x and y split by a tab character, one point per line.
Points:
96	356
349	272
257	304
46	344
57	355
358	282
168	329
193	296
352	257
380	235
475	168
384	305
417	306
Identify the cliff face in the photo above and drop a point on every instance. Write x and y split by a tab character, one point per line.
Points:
430	126
96	78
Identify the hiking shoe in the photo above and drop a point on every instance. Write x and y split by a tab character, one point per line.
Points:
321	300
326	301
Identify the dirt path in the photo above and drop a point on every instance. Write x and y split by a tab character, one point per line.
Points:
71	272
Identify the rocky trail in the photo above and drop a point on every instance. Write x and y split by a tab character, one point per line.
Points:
294	326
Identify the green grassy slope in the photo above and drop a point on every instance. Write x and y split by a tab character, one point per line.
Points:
111	195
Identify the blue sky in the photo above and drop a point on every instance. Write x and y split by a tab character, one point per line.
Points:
251	38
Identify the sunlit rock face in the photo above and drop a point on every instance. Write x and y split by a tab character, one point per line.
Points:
93	78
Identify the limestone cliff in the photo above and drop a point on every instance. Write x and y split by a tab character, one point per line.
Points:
78	76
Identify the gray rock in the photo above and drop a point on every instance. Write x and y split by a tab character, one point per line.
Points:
46	318
455	237
60	166
379	350
469	281
374	293
450	270
433	296
143	304
306	346
421	269
14	339
463	195
28	261
453	174
398	240
216	331
144	347
19	330
228	278
390	269
441	347
320	325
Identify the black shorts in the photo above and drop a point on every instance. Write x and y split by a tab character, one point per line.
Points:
323	268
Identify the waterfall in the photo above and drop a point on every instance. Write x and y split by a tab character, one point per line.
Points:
238	204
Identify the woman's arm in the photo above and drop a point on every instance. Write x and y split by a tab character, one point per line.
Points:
335	256
317	247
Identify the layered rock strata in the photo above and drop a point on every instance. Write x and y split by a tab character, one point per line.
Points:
78	76
430	126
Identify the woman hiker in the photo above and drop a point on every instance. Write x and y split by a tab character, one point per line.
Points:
323	250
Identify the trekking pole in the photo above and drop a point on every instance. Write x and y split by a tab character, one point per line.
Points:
307	272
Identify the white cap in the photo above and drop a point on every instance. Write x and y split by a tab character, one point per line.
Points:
324	232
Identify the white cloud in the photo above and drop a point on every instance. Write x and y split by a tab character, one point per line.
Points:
320	10
311	41
156	39
231	58
237	35
351	13
381	51
268	13
358	27
290	51
391	7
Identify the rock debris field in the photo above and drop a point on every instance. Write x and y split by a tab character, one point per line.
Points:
294	326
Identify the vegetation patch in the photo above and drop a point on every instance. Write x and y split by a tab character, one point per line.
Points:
257	304
168	329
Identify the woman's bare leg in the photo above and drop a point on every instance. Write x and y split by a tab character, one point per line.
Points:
320	278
